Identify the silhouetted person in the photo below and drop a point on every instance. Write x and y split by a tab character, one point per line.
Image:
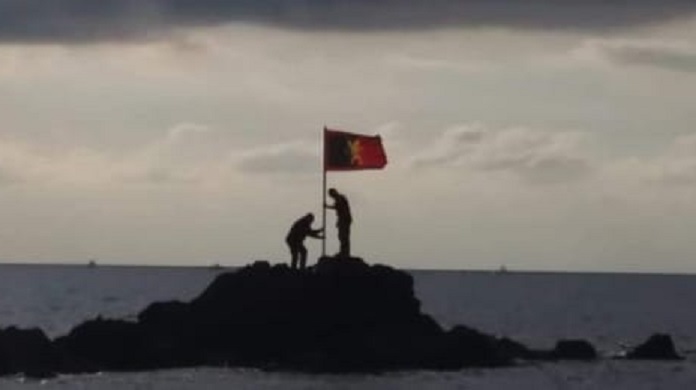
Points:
295	239
343	220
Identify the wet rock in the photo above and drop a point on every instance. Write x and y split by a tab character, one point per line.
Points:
170	334
516	350
574	350
469	348
657	347
341	315
563	350
28	352
104	344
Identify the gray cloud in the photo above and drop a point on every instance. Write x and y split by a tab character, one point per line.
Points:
7	178
159	162
103	20
284	158
552	169
677	56
675	166
538	157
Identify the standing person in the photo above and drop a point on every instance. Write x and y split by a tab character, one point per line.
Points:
343	220
295	239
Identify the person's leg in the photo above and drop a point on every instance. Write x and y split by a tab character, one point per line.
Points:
347	239
344	239
303	256
293	255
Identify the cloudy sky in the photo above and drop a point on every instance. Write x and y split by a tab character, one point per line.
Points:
538	134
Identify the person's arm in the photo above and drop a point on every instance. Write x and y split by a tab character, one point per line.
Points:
316	233
329	206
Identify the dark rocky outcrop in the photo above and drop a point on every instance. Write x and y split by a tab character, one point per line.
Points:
518	350
341	315
563	350
26	351
657	347
105	344
574	350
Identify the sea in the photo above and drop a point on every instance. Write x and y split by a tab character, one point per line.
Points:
613	311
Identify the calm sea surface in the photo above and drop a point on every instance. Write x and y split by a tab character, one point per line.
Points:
611	310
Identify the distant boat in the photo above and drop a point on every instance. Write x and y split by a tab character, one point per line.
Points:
92	263
216	266
502	270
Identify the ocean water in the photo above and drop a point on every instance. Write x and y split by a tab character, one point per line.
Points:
611	310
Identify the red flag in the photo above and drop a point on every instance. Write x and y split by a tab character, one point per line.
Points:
348	151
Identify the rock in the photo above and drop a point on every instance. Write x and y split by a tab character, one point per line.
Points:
657	347
164	313
574	350
341	315
27	351
564	350
516	350
468	347
104	344
170	332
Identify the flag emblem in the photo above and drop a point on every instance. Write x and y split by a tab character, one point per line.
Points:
349	151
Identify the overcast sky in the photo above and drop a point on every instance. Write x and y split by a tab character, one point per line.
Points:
539	134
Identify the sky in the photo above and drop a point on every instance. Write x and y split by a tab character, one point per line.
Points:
535	135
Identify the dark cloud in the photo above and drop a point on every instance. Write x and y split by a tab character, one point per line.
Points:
100	20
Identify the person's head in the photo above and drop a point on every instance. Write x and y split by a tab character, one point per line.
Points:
309	217
333	192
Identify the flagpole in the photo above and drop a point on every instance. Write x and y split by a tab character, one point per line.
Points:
323	193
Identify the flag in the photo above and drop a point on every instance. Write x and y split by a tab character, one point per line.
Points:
348	151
